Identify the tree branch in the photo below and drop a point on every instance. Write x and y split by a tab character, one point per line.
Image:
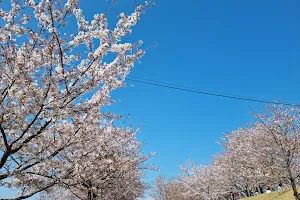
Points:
31	194
4	138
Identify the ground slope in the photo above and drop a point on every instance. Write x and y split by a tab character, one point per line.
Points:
279	195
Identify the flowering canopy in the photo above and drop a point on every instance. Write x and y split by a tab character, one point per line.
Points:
265	154
52	86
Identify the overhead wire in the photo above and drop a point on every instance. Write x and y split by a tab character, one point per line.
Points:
203	92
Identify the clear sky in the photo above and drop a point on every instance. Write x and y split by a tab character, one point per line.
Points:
247	48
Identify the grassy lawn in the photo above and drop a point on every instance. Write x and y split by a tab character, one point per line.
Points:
278	195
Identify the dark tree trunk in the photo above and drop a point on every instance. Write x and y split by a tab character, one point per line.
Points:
261	190
294	186
296	193
91	195
248	193
258	190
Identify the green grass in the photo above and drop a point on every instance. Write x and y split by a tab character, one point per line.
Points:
278	195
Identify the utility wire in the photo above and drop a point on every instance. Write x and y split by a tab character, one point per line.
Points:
210	93
181	86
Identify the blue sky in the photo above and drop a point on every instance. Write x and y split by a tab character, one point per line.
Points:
246	48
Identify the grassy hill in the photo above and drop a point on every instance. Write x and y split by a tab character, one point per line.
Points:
279	195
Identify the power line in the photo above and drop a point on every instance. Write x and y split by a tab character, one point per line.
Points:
210	93
181	86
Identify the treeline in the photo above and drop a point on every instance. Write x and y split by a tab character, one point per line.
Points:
263	155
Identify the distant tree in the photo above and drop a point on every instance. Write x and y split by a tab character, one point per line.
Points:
163	189
265	154
53	85
202	181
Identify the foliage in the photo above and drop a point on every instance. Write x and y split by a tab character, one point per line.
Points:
53	86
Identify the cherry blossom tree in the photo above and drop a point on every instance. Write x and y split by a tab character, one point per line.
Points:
246	160
200	181
53	85
280	127
262	155
164	189
108	169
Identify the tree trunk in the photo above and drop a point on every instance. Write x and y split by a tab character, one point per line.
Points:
258	190
294	186
248	193
270	187
231	197
296	193
261	190
91	195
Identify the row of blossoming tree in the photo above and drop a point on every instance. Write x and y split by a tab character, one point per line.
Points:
55	140
263	155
